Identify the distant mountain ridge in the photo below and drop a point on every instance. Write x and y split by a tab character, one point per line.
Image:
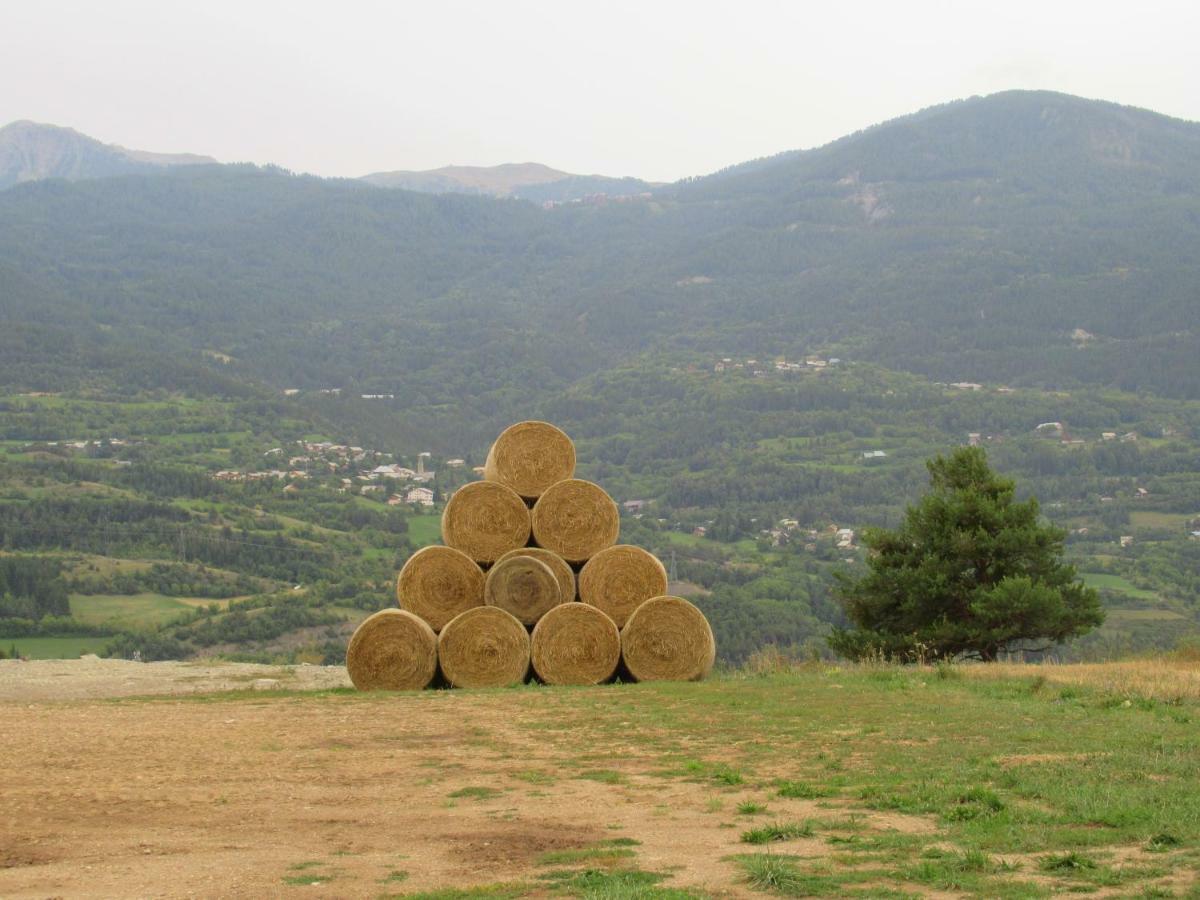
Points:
31	151
528	181
966	243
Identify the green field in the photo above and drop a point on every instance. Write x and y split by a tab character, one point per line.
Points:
54	647
130	610
1105	581
424	529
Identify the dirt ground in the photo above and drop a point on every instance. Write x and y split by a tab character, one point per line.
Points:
109	793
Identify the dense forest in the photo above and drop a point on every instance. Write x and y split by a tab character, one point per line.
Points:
765	357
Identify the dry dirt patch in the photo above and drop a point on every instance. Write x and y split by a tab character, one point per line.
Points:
252	796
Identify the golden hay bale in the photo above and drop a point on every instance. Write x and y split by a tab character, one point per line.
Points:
437	583
575	644
560	567
529	457
576	519
484	647
667	639
618	580
392	650
523	586
485	520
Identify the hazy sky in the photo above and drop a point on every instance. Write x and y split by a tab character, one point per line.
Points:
654	89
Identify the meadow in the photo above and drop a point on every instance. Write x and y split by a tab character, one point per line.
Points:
819	780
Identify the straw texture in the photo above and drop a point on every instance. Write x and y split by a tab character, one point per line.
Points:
392	650
576	519
529	457
619	579
485	520
560	567
484	647
523	586
575	644
438	583
667	639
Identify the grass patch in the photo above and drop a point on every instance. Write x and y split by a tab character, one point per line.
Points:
475	793
604	776
584	854
777	832
750	808
54	647
800	790
620	884
496	891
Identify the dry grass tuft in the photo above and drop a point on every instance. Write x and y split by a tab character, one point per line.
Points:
1163	679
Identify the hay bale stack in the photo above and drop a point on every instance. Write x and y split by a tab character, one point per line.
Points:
667	639
523	586
438	583
484	647
619	579
392	650
529	457
560	567
576	519
485	520
575	644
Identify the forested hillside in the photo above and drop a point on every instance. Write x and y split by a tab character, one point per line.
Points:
765	357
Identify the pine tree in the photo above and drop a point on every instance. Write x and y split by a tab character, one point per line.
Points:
970	572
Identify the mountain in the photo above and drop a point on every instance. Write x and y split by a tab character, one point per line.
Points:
30	151
969	242
528	181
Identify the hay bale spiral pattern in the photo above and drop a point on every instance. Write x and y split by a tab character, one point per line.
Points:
575	644
485	520
438	583
484	647
667	639
560	567
576	519
619	579
529	457
392	650
523	586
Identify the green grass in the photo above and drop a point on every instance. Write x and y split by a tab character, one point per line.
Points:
424	529
768	834
128	610
54	647
1106	581
476	793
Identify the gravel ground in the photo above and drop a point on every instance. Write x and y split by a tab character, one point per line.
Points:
93	678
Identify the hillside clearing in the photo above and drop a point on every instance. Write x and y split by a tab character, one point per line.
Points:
860	781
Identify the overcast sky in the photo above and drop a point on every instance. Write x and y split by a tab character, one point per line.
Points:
654	89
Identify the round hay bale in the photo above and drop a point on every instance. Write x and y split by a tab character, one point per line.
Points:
576	519
619	579
437	583
575	644
485	520
667	639
529	457
523	586
392	650
484	647
560	567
